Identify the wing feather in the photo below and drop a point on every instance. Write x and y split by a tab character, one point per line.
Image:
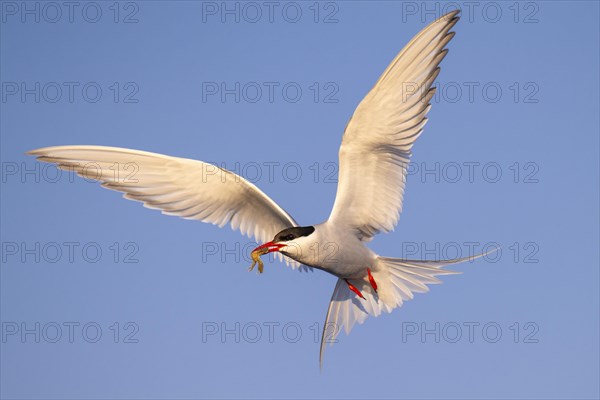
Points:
182	187
377	142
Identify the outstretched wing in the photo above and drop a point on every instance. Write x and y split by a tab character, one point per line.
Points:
186	188
377	142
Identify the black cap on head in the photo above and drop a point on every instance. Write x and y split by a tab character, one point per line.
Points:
293	233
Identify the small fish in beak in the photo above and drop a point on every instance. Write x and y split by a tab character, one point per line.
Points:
261	250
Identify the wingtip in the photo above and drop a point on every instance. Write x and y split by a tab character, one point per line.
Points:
451	18
452	15
321	350
41	150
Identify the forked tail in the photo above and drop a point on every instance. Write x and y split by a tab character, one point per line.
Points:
397	279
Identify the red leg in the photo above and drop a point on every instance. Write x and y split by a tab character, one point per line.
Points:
355	290
372	280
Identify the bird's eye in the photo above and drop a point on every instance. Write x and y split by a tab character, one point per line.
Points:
288	237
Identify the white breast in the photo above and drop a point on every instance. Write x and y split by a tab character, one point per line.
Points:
336	251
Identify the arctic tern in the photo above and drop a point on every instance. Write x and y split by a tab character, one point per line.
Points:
373	161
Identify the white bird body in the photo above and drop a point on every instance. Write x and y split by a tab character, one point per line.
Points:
374	156
334	250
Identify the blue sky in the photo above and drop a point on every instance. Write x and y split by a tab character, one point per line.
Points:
149	306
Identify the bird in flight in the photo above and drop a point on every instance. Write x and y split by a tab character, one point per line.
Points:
373	161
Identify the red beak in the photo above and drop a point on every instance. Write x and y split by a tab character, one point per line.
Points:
269	247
